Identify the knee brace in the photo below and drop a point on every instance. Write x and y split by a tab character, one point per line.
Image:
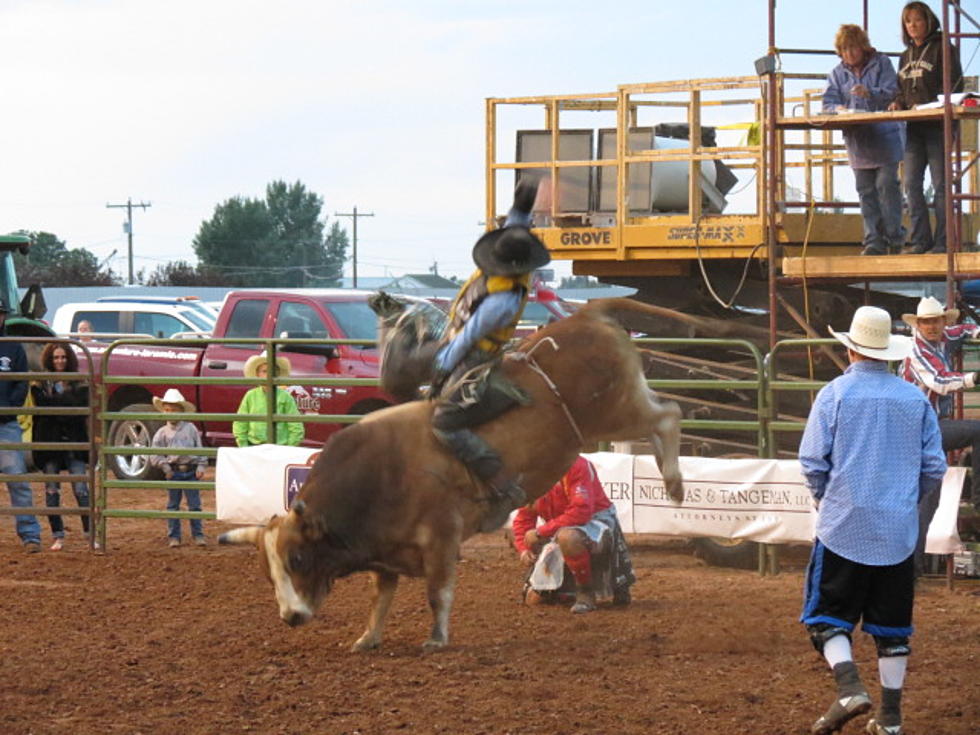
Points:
820	633
892	646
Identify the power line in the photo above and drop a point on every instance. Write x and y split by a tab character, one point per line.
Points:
354	215
128	206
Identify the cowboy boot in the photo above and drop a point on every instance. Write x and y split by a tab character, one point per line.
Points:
584	600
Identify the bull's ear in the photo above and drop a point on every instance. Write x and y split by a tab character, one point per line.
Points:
314	526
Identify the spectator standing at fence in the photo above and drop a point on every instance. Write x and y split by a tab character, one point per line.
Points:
178	434
61	358
579	517
12	394
938	339
865	81
870	451
255	401
920	76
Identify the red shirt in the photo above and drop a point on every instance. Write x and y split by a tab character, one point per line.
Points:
571	502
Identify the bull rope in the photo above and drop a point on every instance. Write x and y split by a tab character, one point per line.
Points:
528	358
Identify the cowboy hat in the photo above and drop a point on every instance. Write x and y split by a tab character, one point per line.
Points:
173	396
929	308
252	365
871	335
510	251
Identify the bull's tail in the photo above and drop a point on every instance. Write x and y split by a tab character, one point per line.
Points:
659	321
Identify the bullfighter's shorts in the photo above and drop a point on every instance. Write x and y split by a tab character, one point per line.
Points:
840	592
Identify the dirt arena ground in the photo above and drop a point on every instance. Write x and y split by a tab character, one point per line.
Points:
145	639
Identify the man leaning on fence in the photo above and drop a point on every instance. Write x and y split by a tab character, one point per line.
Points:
938	339
871	449
12	394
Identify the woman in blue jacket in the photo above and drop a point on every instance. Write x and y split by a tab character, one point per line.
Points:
865	81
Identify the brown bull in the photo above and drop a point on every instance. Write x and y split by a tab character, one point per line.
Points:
385	497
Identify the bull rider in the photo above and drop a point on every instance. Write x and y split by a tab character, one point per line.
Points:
482	320
579	521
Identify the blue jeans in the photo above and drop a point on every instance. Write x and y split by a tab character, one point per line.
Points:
924	147
12	463
52	494
193	503
881	205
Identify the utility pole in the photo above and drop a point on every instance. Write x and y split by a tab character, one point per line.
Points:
354	215
128	206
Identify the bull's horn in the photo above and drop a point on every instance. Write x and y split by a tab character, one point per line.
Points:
247	535
299	507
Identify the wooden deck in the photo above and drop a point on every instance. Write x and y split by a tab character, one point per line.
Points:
880	267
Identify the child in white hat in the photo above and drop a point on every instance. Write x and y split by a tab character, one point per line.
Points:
178	434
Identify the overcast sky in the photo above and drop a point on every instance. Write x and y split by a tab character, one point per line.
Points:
374	104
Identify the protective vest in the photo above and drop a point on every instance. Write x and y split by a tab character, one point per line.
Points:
477	287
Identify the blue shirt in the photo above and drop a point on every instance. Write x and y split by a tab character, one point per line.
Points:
495	311
875	144
870	451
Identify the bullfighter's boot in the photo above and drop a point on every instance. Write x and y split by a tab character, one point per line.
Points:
580	566
888	721
852	700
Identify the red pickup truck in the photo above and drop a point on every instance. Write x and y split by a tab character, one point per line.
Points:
297	314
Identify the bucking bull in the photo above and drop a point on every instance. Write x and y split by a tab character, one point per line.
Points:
385	497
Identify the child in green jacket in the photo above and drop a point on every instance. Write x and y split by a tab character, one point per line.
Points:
250	433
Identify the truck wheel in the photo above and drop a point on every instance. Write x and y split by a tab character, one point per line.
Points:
726	552
133	433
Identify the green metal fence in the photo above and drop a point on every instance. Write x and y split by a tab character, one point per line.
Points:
765	386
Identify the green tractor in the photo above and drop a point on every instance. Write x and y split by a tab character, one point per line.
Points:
24	315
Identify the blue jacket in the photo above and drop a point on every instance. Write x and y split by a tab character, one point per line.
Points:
12	392
876	144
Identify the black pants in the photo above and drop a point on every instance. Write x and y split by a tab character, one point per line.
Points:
956	435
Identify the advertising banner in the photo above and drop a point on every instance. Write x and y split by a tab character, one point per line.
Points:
756	499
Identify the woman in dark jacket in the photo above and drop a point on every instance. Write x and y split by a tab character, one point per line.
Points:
60	358
920	80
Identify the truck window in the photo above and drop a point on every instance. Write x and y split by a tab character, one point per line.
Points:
101	321
299	319
157	325
246	319
355	318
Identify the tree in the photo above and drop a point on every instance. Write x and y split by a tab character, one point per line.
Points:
182	273
278	241
51	263
579	282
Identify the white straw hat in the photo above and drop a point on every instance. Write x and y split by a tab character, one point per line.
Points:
251	366
871	335
929	308
173	396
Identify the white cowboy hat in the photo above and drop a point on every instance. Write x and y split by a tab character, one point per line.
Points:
929	308
871	335
283	368
173	396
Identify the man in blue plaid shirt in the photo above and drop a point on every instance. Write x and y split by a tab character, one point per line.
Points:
871	450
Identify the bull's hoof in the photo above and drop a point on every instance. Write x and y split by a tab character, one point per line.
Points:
675	488
434	644
365	643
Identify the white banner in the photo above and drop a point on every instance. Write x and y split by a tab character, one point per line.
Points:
757	499
252	484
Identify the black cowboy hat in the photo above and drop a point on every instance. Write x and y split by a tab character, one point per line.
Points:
510	251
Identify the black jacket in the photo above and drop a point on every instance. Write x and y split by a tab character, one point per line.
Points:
60	428
12	392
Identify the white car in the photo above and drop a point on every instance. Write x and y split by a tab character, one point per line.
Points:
160	318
